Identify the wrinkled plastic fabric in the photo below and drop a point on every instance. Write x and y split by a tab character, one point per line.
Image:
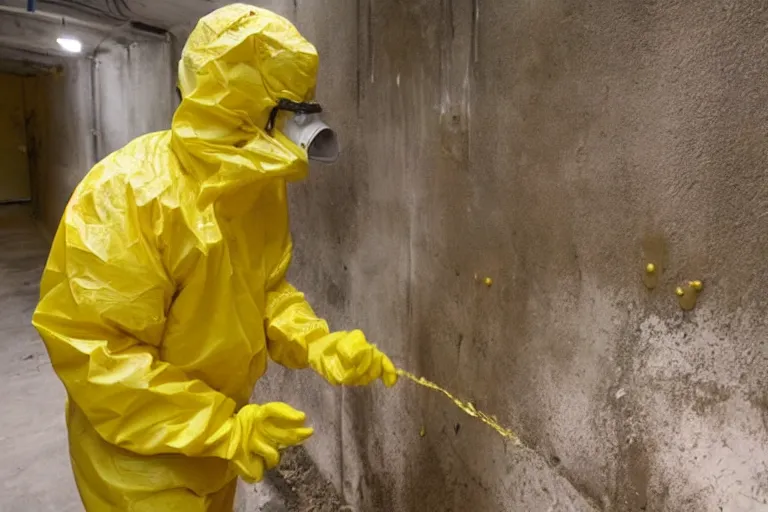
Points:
342	358
262	431
167	273
348	359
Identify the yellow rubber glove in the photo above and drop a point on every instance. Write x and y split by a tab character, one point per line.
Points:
346	358
260	432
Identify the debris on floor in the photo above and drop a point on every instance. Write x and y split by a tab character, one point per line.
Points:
295	486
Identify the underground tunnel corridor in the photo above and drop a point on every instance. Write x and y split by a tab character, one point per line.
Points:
556	210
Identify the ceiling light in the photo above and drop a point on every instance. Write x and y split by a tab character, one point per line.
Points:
69	44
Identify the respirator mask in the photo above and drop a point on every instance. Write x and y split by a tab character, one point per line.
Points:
307	130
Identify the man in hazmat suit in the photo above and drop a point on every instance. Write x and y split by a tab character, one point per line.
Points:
165	290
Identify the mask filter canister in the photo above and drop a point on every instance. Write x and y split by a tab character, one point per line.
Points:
309	132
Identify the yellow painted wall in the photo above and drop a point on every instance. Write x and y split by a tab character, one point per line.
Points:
34	112
14	164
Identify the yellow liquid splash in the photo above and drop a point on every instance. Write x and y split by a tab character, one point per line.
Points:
467	407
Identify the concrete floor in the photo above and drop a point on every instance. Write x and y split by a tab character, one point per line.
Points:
35	473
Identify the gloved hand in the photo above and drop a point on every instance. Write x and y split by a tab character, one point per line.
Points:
346	358
260	432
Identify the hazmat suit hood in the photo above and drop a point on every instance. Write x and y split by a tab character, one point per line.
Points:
235	67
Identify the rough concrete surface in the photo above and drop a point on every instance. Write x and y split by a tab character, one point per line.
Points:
59	129
544	145
295	486
35	472
135	84
555	147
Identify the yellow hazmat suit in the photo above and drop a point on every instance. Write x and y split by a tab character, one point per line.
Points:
164	293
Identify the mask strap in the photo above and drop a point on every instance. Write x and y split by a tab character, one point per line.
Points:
290	106
271	121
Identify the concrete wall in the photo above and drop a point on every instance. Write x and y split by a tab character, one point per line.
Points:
135	85
544	145
14	171
122	92
61	118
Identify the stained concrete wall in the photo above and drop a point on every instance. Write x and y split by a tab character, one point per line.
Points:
14	172
542	144
135	97
60	116
90	108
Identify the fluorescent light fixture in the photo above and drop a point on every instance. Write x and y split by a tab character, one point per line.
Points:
70	44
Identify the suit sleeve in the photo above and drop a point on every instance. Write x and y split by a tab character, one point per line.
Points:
104	299
297	338
291	323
